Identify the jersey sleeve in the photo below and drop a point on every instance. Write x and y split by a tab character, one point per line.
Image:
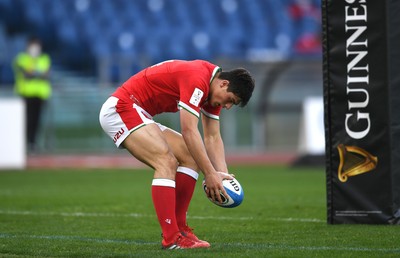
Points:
210	111
192	96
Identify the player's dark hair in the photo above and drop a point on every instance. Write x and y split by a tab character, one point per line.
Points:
240	83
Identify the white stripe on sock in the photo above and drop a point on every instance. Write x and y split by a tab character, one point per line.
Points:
163	182
189	172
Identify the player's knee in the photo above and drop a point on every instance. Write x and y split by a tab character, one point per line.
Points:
187	159
189	162
171	161
166	166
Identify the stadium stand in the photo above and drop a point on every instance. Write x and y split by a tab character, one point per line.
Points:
79	33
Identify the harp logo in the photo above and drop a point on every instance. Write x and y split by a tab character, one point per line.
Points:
354	161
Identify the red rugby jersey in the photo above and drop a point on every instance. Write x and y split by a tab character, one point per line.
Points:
171	85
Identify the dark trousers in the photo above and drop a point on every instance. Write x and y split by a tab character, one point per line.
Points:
34	107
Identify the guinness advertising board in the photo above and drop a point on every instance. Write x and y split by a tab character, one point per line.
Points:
361	61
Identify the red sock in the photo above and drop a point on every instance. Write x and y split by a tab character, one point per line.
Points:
185	183
163	194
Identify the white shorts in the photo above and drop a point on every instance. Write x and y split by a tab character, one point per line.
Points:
119	118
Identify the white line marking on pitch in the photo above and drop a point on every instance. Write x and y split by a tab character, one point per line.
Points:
88	239
138	215
247	245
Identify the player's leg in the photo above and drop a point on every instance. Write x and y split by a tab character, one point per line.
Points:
149	146
178	147
133	127
186	178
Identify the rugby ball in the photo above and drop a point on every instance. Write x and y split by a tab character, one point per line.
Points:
233	189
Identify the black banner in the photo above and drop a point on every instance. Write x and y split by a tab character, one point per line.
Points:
361	64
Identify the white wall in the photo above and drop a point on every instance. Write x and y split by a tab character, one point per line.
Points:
12	133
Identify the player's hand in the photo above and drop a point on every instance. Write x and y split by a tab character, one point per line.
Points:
224	175
215	187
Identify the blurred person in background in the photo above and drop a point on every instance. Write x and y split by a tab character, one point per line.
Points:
306	18
195	89
32	83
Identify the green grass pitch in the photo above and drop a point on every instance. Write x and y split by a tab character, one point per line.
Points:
109	213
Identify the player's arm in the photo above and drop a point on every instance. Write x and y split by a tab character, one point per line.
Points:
213	143
194	142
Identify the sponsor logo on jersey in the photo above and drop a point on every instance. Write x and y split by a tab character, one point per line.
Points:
196	97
